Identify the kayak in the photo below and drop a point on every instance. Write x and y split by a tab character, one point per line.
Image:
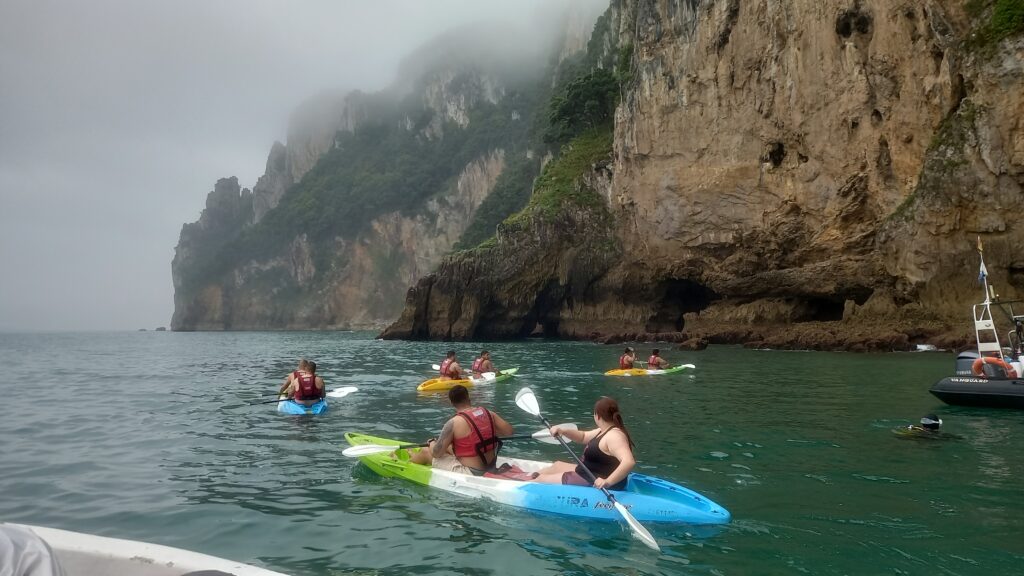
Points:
439	385
87	555
645	371
293	407
648	499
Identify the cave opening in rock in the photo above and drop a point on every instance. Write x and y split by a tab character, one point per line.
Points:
678	297
820	310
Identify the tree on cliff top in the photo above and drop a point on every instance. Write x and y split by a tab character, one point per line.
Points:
586	102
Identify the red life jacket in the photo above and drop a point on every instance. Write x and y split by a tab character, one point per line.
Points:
654	362
624	364
307	389
444	369
482	440
476	364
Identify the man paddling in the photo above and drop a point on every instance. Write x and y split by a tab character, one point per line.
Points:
303	368
469	440
450	369
656	362
483	364
627	359
303	385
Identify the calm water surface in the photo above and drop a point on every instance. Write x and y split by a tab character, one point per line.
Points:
149	436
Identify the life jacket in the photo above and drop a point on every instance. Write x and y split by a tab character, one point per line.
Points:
624	364
482	440
653	362
476	364
307	389
444	369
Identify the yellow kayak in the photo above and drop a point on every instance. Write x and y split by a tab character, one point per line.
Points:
646	372
439	385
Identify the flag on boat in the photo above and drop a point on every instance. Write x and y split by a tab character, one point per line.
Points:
982	273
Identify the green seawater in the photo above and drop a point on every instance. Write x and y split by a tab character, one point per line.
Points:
148	436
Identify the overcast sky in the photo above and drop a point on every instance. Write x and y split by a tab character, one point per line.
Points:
117	117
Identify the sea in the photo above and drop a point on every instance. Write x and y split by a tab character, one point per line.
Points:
166	437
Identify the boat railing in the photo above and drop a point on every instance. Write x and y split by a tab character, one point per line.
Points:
985	327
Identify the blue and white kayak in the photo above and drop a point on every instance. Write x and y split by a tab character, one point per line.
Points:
293	407
648	499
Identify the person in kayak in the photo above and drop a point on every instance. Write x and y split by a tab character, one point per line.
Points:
469	441
305	386
483	364
303	368
608	453
656	362
627	359
450	369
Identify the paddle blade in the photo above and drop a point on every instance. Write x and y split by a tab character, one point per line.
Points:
366	450
527	401
342	392
546	437
690	366
639	532
435	366
489	375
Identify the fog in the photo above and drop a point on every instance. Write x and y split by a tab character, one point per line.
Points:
117	117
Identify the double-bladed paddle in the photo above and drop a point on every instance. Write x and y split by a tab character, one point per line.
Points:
526	400
336	393
367	449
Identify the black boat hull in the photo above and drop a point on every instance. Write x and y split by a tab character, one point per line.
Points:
974	391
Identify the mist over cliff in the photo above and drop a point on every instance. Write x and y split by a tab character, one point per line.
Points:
372	189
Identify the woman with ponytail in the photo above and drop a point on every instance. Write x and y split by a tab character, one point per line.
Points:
608	453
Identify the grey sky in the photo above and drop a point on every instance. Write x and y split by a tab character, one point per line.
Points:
117	117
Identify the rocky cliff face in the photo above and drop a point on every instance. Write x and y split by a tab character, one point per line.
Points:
796	173
370	191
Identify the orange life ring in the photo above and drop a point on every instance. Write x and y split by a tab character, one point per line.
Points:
978	368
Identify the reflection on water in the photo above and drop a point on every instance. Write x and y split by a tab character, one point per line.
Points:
798	446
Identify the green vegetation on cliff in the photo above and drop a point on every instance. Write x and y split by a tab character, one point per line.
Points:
559	184
999	19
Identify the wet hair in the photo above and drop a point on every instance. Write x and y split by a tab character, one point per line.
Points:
312	367
629	349
450	354
484	352
608	410
303	364
459	394
655	351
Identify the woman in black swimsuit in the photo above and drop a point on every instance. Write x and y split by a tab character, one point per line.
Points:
608	454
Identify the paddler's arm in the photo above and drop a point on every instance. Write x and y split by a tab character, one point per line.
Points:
322	387
619	447
578	436
501	427
287	381
440	448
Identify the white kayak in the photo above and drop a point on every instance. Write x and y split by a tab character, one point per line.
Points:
87	555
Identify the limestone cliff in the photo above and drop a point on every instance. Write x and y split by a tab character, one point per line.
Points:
370	191
785	174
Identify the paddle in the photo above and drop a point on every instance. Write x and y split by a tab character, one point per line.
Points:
367	449
342	392
336	393
526	400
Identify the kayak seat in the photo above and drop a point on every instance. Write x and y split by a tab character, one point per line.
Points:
510	472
